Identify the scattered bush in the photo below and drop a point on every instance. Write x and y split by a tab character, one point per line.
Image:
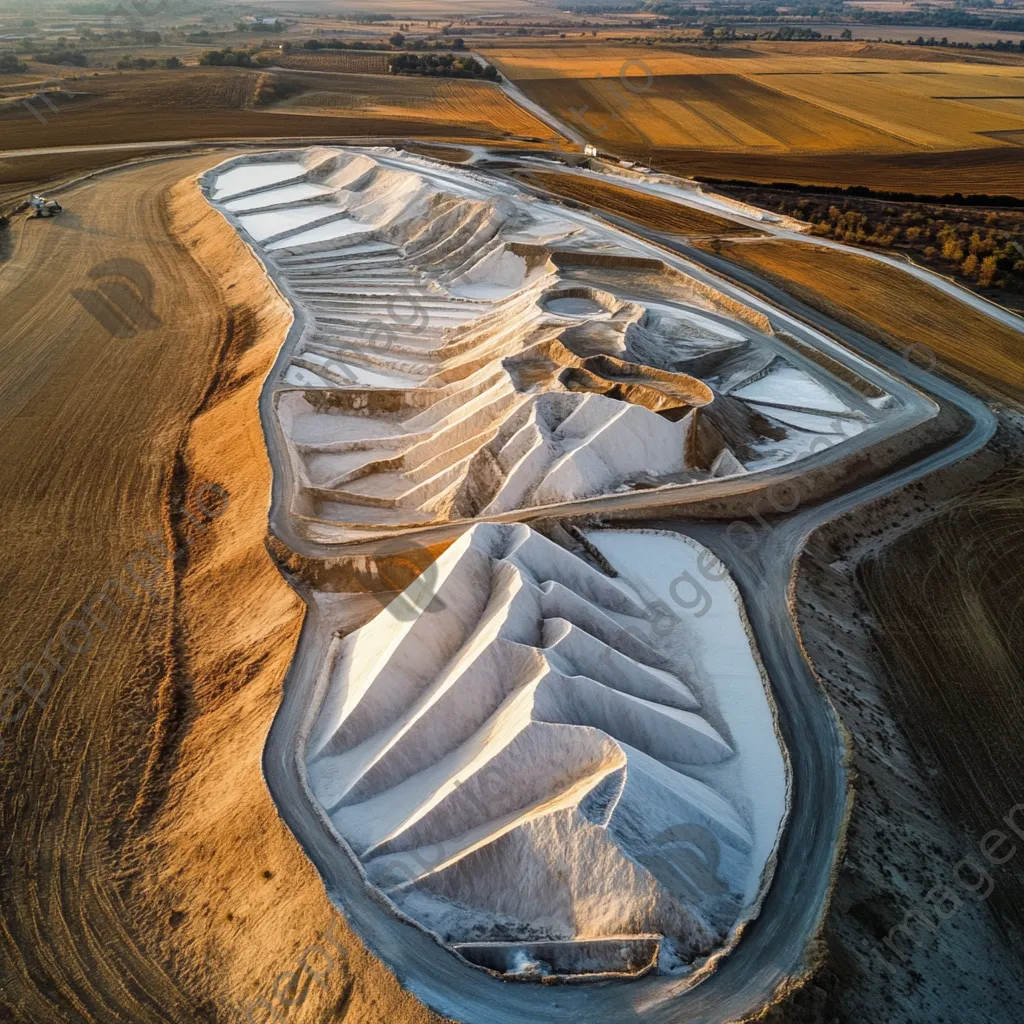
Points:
230	58
73	57
10	65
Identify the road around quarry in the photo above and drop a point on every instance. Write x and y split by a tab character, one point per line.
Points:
693	197
774	946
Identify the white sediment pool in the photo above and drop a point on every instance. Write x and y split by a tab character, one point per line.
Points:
275	222
248	176
321	233
274	196
789	386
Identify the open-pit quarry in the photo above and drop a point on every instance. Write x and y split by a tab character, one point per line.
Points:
465	351
546	751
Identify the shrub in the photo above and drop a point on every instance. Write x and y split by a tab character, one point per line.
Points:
72	57
987	271
10	65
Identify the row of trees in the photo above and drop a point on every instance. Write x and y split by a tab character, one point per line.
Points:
396	42
981	249
232	58
1003	45
443	65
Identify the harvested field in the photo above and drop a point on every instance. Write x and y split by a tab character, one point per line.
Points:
611	60
222	103
650	211
944	109
946	598
813	112
994	171
21	175
893	308
834	114
137	885
333	60
713	112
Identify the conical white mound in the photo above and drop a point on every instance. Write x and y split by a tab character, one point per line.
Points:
525	776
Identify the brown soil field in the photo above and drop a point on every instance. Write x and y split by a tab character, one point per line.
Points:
461	108
994	171
946	597
220	103
146	875
649	211
21	175
450	154
891	307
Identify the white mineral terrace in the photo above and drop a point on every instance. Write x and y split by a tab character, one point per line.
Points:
526	770
463	350
557	759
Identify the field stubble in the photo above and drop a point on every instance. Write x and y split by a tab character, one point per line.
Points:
147	875
647	210
946	598
853	118
893	308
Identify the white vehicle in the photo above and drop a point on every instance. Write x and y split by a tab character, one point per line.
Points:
42	207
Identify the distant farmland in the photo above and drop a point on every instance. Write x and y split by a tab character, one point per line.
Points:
773	114
203	103
458	106
895	309
333	60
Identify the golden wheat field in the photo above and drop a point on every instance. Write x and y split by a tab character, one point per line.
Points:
896	310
